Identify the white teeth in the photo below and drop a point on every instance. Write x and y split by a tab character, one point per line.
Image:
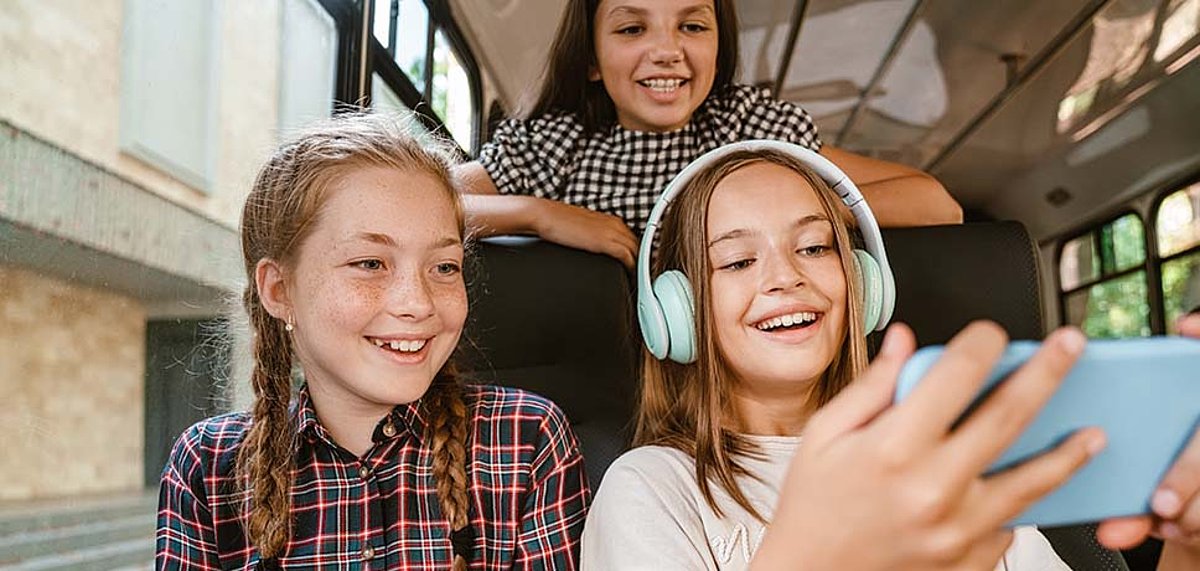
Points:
403	346
787	320
663	85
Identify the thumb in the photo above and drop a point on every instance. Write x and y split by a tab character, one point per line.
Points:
864	398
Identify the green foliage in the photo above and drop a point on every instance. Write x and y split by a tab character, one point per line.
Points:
1118	308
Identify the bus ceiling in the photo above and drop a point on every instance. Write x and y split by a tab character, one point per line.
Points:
1045	112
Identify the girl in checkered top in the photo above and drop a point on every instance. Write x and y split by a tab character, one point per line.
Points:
633	91
353	241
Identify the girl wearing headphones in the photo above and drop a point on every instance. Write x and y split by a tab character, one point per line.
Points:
764	260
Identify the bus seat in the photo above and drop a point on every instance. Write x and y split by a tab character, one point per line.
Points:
947	276
558	322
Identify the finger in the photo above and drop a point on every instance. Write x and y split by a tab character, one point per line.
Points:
1180	488
987	552
1123	533
1189	325
1013	405
1010	492
949	384
867	396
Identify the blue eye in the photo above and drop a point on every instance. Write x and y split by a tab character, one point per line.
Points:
814	251
448	268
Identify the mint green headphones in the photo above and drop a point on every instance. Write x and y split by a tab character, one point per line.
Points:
666	309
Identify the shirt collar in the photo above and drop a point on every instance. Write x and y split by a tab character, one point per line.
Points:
404	419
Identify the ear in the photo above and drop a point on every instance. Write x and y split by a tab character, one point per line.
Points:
593	73
271	282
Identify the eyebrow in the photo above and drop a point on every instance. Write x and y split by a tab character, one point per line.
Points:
385	240
635	11
742	232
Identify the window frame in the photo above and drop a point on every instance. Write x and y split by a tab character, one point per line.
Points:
1152	264
355	20
1152	234
1155	319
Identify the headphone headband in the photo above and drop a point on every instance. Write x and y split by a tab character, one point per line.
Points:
830	173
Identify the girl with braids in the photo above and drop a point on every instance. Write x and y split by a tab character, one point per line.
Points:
353	241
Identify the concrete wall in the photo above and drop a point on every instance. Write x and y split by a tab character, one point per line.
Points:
71	370
60	76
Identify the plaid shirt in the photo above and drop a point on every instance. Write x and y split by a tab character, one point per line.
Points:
528	493
622	172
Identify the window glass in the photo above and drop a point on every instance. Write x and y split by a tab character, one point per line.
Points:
1079	262
384	99
1128	242
1180	26
451	92
1178	225
1110	309
412	35
1181	287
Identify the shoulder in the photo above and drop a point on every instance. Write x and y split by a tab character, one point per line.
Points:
207	448
491	402
211	437
553	125
666	471
654	459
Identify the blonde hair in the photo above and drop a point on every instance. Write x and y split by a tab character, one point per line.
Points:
280	212
686	406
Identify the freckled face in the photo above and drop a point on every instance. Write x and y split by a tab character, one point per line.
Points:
377	291
779	297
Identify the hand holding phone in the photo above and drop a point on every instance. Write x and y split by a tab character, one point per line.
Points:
1144	394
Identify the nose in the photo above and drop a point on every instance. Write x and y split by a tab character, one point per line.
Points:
409	297
667	49
781	273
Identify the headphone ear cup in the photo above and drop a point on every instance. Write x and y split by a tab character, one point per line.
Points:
870	285
674	293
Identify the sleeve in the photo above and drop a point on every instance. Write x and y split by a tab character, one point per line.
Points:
769	118
555	505
185	537
531	157
639	522
1031	551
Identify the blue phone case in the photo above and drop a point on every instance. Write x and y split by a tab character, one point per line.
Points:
1145	395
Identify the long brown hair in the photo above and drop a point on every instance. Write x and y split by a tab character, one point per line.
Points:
687	406
279	214
565	83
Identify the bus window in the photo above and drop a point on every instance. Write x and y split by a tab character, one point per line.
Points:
1177	226
437	71
1103	280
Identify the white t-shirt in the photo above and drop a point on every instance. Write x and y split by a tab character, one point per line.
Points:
649	514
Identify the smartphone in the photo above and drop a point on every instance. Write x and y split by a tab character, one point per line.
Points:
1144	393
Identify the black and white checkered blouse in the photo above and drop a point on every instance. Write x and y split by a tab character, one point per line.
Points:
622	172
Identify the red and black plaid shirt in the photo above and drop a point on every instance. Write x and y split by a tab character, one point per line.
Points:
528	493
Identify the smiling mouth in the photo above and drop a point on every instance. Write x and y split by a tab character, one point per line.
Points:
399	346
663	85
790	322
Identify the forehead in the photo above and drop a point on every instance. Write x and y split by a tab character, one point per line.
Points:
760	196
609	7
404	204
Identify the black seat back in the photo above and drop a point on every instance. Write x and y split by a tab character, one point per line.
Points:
948	276
558	322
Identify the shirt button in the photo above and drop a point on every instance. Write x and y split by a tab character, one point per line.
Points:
368	552
389	430
364	472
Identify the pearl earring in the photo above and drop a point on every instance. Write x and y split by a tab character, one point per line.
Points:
287	326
